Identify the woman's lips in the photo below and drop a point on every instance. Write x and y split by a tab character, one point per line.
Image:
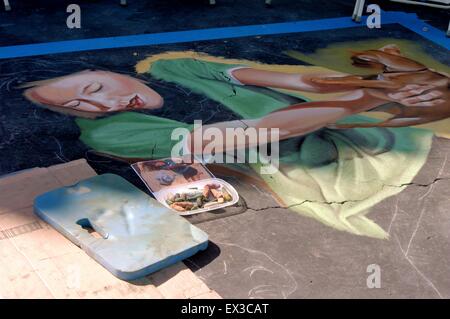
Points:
136	102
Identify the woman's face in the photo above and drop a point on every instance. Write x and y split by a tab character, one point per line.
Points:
96	91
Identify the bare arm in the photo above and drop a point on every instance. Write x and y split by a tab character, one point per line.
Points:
294	120
290	81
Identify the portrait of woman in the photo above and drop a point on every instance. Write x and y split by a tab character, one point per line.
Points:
331	174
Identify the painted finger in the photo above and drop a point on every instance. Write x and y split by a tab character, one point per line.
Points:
428	103
422	98
410	87
410	92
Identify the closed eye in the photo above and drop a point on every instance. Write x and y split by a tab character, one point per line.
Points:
73	103
92	88
85	105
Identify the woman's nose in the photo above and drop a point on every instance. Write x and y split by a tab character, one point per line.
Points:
111	103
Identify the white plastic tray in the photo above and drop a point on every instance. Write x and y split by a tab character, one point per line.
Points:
163	194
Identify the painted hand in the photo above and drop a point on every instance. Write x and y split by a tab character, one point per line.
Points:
418	95
420	104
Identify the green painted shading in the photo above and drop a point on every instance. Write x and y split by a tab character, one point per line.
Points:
336	176
212	80
130	134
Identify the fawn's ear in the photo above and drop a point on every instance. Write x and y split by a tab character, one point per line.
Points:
391	49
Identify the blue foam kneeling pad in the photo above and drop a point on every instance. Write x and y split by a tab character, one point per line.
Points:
121	227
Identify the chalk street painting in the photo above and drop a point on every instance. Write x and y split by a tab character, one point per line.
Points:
356	119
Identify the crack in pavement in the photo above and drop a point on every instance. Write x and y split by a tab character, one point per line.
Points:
345	201
419	184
